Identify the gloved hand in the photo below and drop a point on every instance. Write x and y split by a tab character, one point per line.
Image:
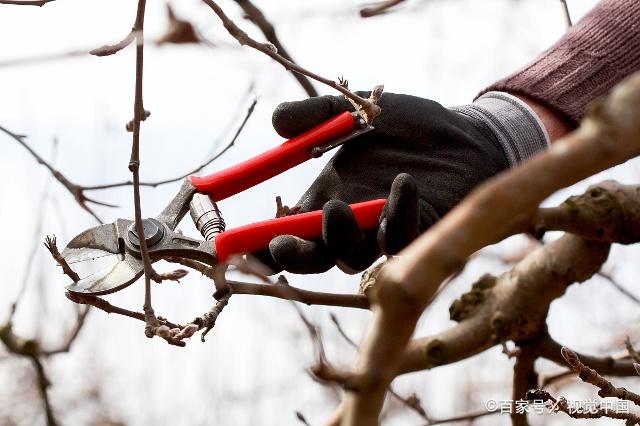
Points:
421	156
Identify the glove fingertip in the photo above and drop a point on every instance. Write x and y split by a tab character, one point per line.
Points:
401	219
290	119
300	256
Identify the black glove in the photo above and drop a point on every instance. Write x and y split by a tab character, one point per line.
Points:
421	156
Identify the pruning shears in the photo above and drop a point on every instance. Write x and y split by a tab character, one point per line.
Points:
199	195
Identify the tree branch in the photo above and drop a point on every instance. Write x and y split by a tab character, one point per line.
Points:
256	16
75	190
492	312
368	108
566	14
607	365
378	8
38	3
524	378
43	386
219	154
112	49
279	291
608	211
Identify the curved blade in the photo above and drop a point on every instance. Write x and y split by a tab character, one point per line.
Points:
110	279
95	242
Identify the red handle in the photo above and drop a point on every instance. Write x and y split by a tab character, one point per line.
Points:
257	236
289	154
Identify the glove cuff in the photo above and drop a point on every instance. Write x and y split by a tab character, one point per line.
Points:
515	125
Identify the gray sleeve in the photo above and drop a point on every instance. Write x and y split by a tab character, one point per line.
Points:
515	125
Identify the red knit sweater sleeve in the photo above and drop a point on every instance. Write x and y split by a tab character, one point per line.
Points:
595	54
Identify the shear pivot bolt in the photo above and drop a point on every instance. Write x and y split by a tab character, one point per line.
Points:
153	232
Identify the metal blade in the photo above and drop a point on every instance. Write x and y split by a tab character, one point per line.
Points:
110	279
93	243
90	254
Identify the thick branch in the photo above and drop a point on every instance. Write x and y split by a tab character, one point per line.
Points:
608	211
513	306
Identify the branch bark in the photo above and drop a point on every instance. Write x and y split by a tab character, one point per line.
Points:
513	306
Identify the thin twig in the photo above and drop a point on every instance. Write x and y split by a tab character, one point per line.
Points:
462	418
300	295
565	13
618	365
561	404
219	154
36	243
617	286
109	308
277	291
50	244
256	16
111	49
378	8
151	321
72	335
38	3
589	375
302	419
633	353
43	386
32	349
369	109
75	190
208	320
